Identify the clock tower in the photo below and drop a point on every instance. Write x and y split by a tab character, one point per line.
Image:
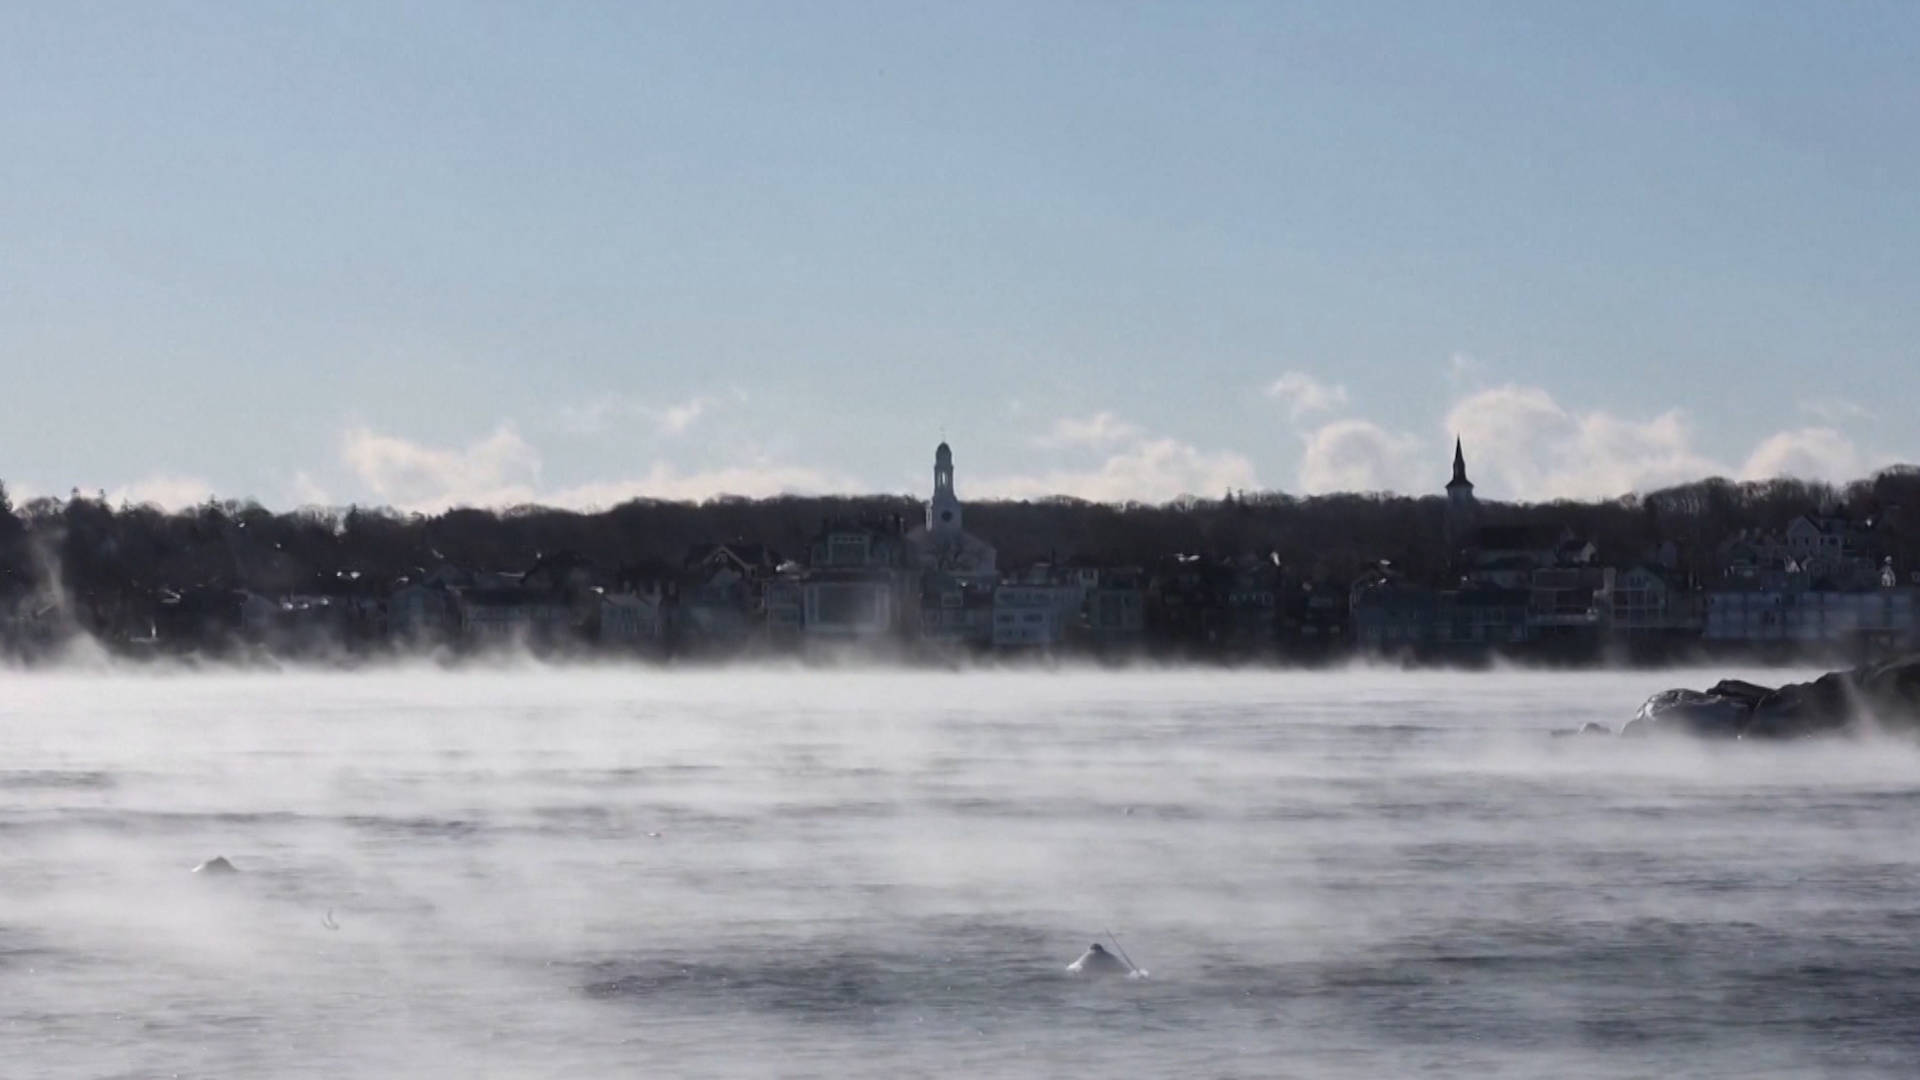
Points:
943	510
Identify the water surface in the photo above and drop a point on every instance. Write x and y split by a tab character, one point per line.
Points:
563	872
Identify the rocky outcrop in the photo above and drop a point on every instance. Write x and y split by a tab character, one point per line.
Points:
1584	730
1098	961
1884	696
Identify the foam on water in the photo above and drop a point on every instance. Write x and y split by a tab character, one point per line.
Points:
587	872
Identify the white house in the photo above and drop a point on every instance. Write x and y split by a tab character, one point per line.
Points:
785	603
850	605
1034	616
631	619
1826	536
539	606
955	612
1645	599
1569	596
858	586
513	616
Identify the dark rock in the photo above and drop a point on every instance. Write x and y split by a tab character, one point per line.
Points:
216	865
1740	690
1813	708
1691	712
1884	696
1890	695
1098	961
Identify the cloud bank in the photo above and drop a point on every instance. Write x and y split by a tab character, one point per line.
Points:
165	490
1523	444
1359	455
1145	470
503	469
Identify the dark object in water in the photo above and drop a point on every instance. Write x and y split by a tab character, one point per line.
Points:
216	865
1884	696
1584	729
1098	961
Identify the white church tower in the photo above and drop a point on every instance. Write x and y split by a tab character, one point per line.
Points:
943	510
943	546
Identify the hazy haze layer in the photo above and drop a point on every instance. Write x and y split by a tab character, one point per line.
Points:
550	873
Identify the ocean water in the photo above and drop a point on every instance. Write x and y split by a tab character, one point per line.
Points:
536	872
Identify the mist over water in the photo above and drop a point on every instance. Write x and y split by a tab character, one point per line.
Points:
594	872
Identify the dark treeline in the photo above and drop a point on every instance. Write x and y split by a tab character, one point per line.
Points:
106	564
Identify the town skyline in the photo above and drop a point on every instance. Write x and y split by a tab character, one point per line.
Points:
1774	460
420	257
1770	570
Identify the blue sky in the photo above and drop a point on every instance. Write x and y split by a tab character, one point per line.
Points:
425	253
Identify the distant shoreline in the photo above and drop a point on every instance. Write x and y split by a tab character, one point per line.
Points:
81	654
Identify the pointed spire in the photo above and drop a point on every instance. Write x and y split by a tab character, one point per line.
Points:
1459	466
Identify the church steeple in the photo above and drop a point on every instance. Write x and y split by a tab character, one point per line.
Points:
1459	471
943	510
1463	512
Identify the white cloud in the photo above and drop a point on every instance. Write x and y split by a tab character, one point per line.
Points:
167	491
1814	453
503	469
1303	394
1358	455
1150	470
500	469
1134	466
308	492
756	481
1097	431
1522	444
